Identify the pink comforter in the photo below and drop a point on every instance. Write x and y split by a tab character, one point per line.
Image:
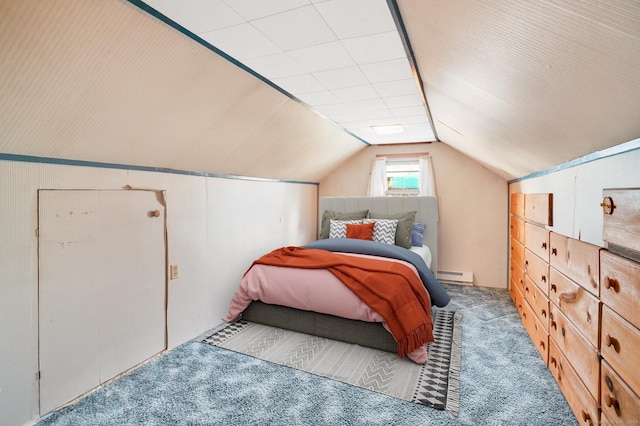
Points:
316	290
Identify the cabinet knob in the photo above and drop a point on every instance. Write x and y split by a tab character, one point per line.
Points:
613	402
607	205
612	283
586	418
612	341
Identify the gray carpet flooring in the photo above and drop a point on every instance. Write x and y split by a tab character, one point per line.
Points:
503	382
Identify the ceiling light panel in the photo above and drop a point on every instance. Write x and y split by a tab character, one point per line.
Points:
344	58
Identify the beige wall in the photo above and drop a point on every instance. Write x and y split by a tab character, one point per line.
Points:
472	202
215	228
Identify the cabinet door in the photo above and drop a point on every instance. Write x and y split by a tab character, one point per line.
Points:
620	285
576	348
580	306
101	288
578	260
619	402
536	239
580	400
620	346
621	223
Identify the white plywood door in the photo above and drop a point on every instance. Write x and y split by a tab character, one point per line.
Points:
102	287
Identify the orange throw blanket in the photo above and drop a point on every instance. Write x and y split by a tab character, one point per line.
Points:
390	288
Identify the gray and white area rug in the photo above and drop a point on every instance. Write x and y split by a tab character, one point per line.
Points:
435	384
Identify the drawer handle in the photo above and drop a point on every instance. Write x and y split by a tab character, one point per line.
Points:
613	402
544	313
554	362
554	251
544	246
607	205
586	417
612	283
543	278
542	345
554	288
554	325
612	341
562	331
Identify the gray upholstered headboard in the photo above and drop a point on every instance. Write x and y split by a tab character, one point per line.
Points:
426	208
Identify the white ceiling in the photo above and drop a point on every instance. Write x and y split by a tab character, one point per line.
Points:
343	58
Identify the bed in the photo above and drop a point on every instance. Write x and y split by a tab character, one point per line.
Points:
303	309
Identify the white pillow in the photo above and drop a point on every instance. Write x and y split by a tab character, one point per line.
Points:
338	228
384	230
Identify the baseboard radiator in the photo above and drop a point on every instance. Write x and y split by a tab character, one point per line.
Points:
455	277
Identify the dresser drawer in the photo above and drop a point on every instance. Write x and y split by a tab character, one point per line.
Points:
516	226
576	259
620	285
536	239
621	225
537	270
539	208
539	302
581	401
536	331
516	206
619	403
620	347
517	252
517	275
582	355
577	304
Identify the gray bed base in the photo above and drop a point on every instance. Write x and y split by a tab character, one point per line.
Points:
368	334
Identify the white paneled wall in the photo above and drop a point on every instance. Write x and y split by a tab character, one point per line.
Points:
216	227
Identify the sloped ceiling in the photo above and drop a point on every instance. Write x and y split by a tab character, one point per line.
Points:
104	81
518	85
523	86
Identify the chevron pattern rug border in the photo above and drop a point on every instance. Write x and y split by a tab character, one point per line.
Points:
435	384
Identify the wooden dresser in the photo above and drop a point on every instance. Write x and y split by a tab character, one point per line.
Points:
620	297
581	304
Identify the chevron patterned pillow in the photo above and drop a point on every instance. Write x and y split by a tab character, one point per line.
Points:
384	230
338	228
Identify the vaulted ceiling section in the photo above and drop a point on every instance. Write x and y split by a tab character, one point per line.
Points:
518	85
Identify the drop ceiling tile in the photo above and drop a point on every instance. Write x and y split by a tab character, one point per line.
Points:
379	72
366	105
375	48
322	57
329	109
298	84
341	77
357	93
381	114
413	110
356	18
274	66
295	29
412	119
318	99
198	15
403	101
252	9
241	42
396	88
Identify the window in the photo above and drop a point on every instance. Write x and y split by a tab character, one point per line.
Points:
403	176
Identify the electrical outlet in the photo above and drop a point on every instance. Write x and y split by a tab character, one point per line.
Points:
175	271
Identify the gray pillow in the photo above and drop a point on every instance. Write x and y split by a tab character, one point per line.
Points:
405	225
327	215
